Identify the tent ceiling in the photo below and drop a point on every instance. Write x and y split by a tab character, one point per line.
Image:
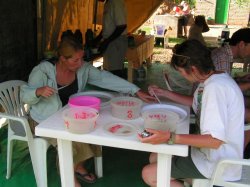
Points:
60	15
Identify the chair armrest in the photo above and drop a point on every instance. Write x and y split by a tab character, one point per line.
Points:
217	174
245	162
20	119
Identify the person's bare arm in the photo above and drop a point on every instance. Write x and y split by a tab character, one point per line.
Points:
45	91
200	141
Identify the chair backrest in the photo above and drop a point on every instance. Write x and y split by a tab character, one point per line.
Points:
12	104
160	30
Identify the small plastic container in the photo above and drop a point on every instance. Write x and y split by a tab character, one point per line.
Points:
87	101
80	120
160	120
126	107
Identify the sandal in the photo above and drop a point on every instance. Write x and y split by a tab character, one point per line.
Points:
83	177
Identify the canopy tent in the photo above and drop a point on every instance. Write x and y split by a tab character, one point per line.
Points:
56	16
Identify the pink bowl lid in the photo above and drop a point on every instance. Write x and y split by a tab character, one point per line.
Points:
84	101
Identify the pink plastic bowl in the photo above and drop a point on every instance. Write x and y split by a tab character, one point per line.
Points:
87	101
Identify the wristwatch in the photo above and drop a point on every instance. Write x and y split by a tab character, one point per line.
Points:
171	139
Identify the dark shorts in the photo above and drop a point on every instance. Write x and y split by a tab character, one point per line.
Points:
184	168
184	20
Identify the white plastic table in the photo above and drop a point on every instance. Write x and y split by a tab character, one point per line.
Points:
53	127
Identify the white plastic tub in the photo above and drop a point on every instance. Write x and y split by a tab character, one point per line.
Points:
160	120
80	120
162	116
126	107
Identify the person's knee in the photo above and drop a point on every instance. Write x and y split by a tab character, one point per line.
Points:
153	158
149	175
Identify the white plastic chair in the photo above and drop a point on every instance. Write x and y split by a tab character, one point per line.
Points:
160	32
19	129
217	178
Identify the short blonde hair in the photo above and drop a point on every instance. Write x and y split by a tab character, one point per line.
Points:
68	46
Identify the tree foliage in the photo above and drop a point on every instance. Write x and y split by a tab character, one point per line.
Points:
242	2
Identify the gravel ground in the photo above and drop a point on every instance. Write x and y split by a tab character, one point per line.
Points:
162	55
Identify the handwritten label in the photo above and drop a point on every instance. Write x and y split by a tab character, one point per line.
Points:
130	114
67	124
84	115
126	103
159	117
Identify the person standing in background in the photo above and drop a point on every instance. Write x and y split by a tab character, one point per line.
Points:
177	10
197	28
113	36
185	16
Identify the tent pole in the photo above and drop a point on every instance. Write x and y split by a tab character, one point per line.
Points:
95	14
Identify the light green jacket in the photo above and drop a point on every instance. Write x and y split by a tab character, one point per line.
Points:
44	74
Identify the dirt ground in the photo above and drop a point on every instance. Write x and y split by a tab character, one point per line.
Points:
163	56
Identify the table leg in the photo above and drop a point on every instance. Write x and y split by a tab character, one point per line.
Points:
66	162
163	170
130	71
149	61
